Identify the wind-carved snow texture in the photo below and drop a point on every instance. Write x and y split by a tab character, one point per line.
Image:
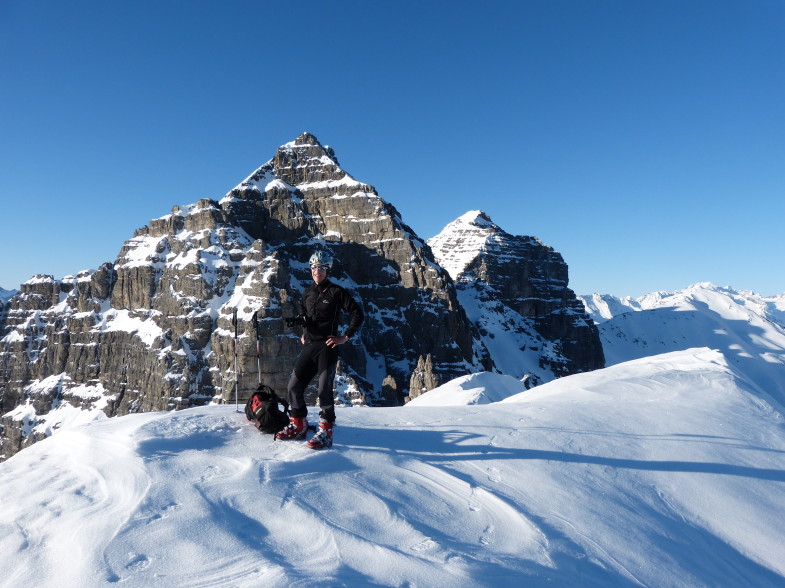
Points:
663	471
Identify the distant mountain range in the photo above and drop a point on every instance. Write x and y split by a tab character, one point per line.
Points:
748	329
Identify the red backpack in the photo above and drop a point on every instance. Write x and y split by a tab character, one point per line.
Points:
264	411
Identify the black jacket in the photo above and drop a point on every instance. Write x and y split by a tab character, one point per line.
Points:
321	305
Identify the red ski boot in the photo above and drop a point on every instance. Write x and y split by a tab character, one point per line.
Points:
296	429
324	436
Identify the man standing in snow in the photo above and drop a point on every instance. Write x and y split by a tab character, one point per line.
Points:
321	304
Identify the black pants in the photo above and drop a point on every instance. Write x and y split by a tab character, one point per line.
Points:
314	359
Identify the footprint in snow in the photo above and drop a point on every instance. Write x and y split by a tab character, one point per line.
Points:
494	475
138	562
424	545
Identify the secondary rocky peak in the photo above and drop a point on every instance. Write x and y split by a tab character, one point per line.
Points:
517	285
465	242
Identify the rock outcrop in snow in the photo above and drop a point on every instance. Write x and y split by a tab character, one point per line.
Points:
515	289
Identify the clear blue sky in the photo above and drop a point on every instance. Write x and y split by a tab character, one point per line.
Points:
645	141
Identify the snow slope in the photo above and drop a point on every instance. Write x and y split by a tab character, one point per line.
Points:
668	471
747	328
512	340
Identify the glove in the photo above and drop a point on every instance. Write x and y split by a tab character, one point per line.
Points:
295	321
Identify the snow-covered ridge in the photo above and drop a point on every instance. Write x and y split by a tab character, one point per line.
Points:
748	329
599	479
603	307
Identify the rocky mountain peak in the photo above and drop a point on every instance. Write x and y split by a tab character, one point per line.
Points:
306	139
302	161
477	218
153	330
461	240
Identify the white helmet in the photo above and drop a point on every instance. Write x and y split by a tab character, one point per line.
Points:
321	258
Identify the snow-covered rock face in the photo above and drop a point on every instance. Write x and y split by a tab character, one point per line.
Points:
153	330
462	241
514	289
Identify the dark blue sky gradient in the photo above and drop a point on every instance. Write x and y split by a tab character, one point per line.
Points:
645	141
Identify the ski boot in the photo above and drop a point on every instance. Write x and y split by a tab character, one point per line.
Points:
324	436
296	429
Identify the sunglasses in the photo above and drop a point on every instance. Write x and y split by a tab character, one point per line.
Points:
319	268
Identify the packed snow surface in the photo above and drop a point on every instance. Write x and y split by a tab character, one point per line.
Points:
666	471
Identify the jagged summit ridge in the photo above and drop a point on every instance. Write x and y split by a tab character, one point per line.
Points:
297	163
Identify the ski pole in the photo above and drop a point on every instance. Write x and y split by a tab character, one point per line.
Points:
234	322
258	351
